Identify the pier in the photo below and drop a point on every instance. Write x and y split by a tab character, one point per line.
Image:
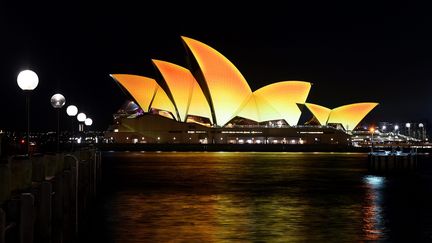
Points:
383	162
45	197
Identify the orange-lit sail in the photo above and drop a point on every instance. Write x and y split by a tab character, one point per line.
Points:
249	110
350	115
146	92
227	87
258	109
198	105
188	96
162	102
141	88
321	113
265	110
284	96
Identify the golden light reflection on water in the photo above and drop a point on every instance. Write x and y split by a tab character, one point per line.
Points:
239	197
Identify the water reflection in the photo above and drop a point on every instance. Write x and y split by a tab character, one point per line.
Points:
241	197
373	219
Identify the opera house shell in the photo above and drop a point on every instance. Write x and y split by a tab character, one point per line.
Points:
211	102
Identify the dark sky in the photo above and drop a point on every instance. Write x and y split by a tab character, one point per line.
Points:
351	53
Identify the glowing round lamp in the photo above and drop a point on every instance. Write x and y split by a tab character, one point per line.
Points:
27	80
408	125
421	125
72	110
81	117
88	121
58	101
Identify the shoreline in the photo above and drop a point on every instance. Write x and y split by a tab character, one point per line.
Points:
235	147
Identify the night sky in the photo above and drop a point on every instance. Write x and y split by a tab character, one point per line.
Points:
351	53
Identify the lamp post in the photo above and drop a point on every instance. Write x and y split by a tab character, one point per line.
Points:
372	130
396	128
408	126
81	119
421	126
28	80
72	111
88	121
58	101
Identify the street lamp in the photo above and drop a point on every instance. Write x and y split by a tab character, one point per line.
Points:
408	125
88	121
58	101
28	80
396	127
421	126
372	130
81	118
72	111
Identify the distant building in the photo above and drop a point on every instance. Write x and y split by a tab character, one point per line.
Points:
211	102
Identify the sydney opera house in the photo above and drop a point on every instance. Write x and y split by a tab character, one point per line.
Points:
211	102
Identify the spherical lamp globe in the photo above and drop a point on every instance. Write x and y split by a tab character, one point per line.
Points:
58	101
27	80
81	117
88	121
72	110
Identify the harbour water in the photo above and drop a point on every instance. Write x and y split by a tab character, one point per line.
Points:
257	197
